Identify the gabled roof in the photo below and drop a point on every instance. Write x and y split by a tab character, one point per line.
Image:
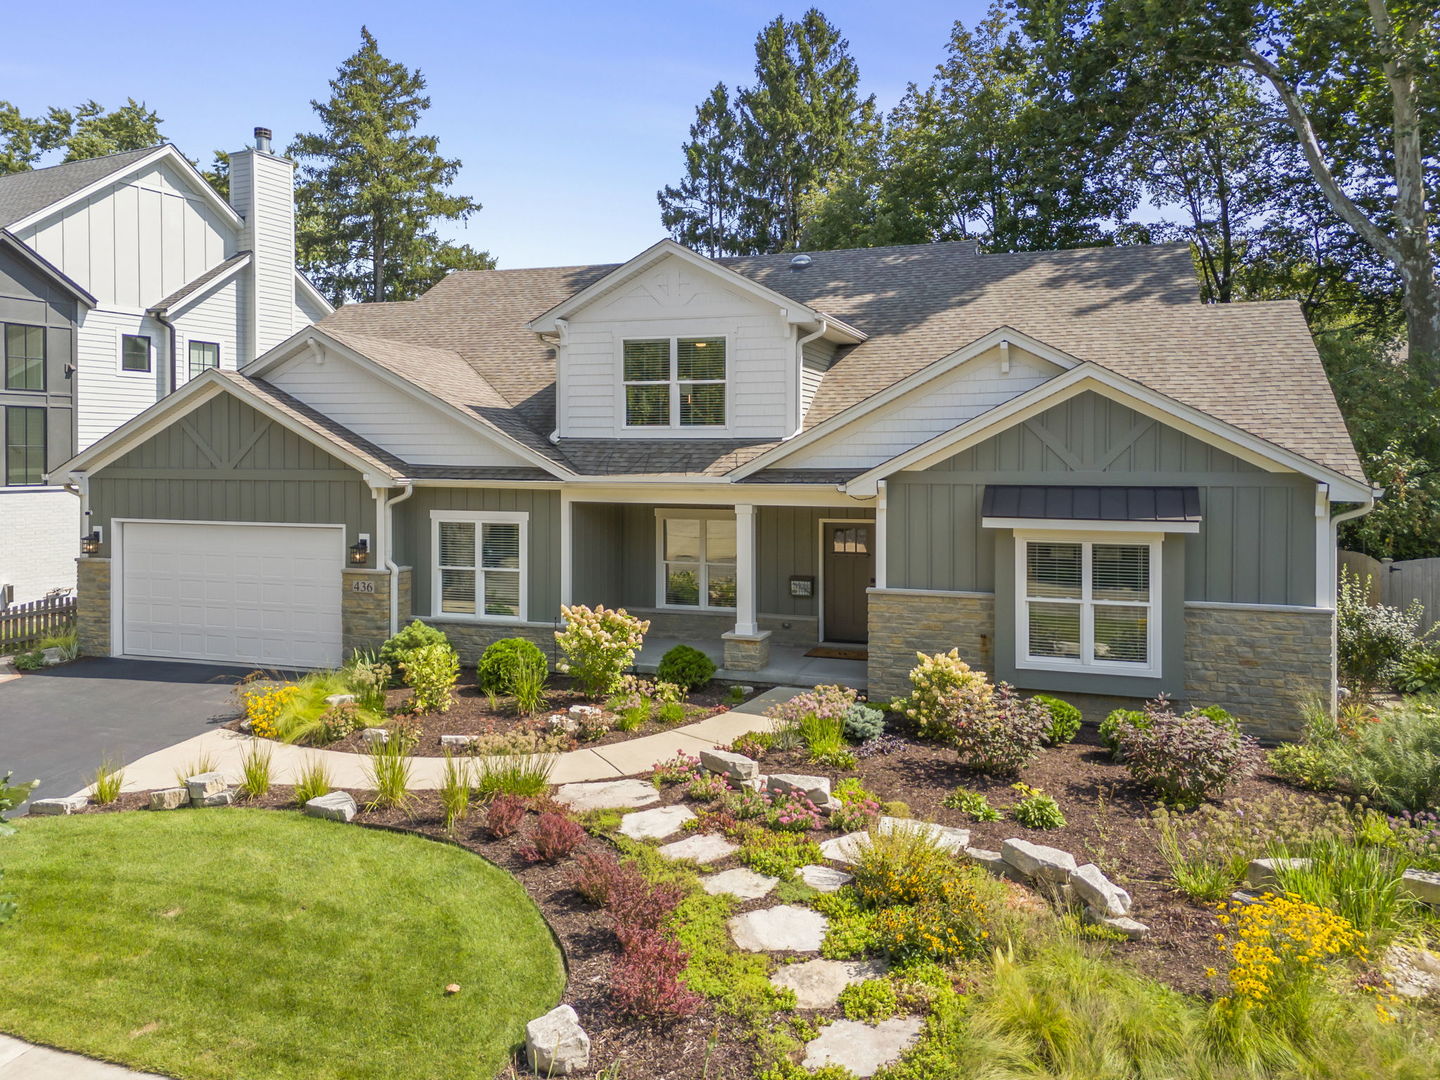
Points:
24	193
45	267
194	290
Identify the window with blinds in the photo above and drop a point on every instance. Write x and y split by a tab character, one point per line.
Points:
1087	604
479	564
674	382
697	562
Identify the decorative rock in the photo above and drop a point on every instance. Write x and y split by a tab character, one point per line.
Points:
817	983
656	824
51	657
1265	873
994	862
1413	972
585	712
70	804
556	1044
1099	892
247	726
814	788
1038	861
170	798
1245	896
946	837
459	742
727	763
373	736
336	806
701	848
340	699
845	849
740	882
864	1049
1423	885
1125	925
787	928
203	784
608	795
824	878
217	798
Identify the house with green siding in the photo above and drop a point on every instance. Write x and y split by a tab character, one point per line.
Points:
1060	463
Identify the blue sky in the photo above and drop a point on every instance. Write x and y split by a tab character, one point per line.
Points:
568	116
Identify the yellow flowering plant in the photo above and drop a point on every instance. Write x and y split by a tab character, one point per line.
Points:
263	707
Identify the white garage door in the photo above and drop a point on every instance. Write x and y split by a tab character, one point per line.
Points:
246	594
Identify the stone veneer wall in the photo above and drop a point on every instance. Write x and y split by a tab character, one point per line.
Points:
92	606
364	616
470	639
904	623
1259	663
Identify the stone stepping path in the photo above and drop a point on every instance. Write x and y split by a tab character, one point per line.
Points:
608	795
824	878
702	848
656	824
846	849
862	1048
817	983
740	882
787	928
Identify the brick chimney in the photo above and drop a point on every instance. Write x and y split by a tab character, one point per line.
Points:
262	191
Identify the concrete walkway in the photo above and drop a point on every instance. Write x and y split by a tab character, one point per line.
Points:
224	749
21	1060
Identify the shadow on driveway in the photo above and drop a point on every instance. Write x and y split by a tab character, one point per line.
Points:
58	724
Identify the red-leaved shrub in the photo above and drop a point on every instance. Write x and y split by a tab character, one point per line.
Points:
597	875
638	907
554	837
645	979
1187	759
503	816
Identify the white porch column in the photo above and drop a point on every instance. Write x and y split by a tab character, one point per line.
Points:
567	548
880	530
745	623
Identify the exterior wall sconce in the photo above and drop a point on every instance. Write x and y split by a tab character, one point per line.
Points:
90	543
360	550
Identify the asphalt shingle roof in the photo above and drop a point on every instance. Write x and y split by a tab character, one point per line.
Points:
23	193
1134	310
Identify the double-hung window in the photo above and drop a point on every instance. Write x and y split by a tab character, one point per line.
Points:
134	353
697	560
203	355
674	382
1090	604
24	357
24	446
479	564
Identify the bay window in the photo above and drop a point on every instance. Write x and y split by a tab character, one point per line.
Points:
697	559
674	382
479	564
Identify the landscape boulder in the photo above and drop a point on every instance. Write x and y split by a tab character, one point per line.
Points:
1131	928
556	1044
336	806
1265	873
216	798
1423	885
814	788
728	763
170	798
69	804
1038	862
203	784
1099	892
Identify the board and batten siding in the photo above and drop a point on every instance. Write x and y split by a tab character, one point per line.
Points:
975	387
413	540
249	469
1256	543
674	299
350	395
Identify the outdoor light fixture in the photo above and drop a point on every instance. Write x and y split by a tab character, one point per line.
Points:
90	544
360	551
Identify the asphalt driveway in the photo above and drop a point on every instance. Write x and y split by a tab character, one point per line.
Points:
60	723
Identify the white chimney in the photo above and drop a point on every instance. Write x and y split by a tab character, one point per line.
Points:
262	191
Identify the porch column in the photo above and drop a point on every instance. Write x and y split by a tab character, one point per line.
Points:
567	519
747	647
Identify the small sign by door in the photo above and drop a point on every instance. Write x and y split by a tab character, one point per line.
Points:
362	585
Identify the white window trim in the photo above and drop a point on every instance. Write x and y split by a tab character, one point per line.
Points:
219	355
1085	662
480	518
661	515
674	383
120	368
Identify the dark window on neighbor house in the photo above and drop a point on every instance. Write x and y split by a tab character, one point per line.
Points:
24	446
203	354
24	357
134	352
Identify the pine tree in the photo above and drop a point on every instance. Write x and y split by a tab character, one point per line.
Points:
371	189
700	211
87	131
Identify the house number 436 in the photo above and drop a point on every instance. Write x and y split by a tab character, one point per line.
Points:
362	585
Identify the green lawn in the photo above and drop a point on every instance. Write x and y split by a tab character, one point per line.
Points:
251	943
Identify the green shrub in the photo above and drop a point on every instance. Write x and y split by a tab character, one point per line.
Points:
863	723
869	1000
1114	723
1371	640
505	660
431	671
998	732
599	645
1064	720
933	681
1186	759
368	679
1418	672
1036	810
516	774
68	644
32	660
414	636
686	666
670	713
973	803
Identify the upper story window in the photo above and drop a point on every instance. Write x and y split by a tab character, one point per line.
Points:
24	357
24	446
675	382
203	354
134	352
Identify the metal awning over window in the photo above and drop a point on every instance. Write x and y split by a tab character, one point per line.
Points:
1155	509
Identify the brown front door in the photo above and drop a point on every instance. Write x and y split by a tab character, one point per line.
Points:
849	551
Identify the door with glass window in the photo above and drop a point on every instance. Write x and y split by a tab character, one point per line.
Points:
848	571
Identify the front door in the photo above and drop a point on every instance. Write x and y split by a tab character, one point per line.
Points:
849	552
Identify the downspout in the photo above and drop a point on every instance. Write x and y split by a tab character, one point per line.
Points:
1334	548
387	548
800	344
562	327
158	315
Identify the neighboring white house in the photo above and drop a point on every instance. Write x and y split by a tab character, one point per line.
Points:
181	281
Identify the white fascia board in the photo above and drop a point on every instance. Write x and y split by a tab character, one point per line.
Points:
314	335
162	153
208	288
307	286
912	382
1088	376
795	312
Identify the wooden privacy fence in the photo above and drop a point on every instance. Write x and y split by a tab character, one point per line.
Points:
22	625
1399	583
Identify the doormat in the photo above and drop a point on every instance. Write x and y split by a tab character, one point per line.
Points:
829	652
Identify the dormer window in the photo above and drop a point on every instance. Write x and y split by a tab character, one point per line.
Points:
675	382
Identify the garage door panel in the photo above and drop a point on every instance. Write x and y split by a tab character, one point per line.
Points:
247	594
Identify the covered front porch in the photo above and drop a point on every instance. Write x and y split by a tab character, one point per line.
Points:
787	665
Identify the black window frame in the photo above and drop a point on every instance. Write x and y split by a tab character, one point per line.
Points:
28	449
190	356
44	356
125	339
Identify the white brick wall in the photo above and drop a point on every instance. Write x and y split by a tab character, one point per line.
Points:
39	540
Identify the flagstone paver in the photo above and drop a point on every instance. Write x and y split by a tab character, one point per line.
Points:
817	983
824	878
787	928
862	1048
741	882
703	848
656	824
846	849
608	795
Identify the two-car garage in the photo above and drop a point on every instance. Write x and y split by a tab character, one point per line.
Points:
232	592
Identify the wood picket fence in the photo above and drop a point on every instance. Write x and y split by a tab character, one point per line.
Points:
22	625
1399	583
